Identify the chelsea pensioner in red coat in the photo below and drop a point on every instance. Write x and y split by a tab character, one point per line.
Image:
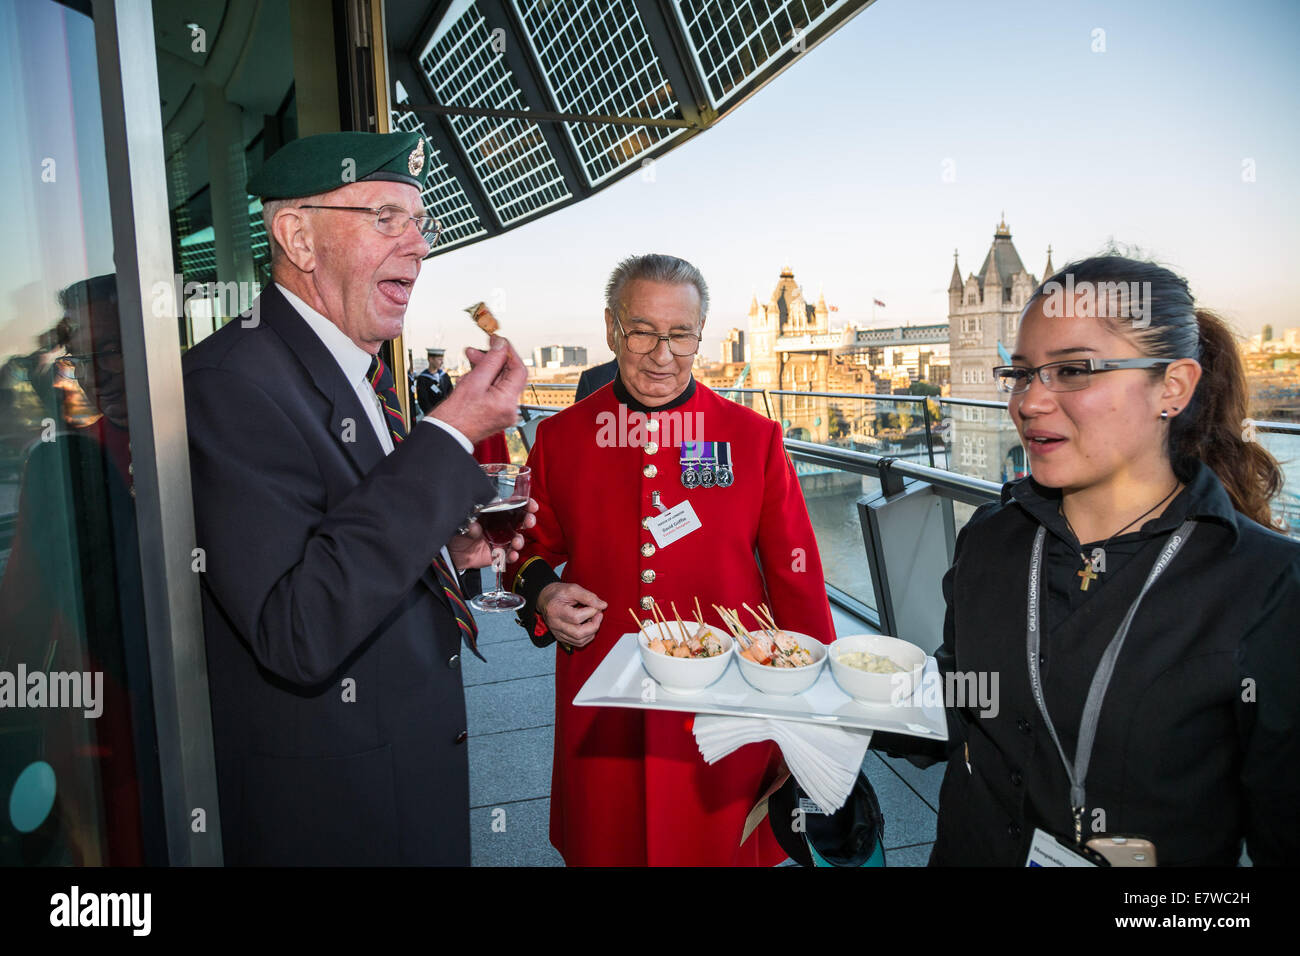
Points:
629	787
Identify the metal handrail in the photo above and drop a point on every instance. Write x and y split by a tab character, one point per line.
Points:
767	402
862	396
975	491
1284	428
954	485
972	402
878	398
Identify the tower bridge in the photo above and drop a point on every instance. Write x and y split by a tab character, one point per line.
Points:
851	338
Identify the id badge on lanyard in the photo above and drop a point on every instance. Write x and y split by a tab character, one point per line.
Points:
1077	771
1047	850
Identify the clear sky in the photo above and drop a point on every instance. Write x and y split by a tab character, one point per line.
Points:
837	168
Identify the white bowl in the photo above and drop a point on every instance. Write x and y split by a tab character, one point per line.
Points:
786	681
684	675
868	688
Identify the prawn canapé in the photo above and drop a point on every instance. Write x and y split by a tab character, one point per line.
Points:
694	640
768	645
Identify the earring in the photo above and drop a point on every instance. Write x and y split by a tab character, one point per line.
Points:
1164	414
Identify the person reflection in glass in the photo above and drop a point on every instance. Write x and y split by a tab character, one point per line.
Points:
69	598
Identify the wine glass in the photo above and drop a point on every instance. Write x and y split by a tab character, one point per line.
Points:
500	519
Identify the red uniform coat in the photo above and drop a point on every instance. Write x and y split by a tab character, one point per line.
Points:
629	787
492	450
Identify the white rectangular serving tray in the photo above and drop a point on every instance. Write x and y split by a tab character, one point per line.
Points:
620	680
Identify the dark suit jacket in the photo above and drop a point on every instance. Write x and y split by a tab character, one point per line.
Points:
594	378
333	658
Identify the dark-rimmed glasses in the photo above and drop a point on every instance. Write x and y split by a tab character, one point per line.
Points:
1067	376
643	343
391	220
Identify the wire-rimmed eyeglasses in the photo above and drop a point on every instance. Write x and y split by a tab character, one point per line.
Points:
643	343
391	220
1067	376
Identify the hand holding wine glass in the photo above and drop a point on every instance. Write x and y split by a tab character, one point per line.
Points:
470	548
501	519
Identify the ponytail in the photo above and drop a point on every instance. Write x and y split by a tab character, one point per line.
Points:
1215	428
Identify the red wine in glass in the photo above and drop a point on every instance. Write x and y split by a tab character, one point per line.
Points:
501	519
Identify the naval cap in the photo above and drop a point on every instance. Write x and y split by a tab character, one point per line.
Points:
326	161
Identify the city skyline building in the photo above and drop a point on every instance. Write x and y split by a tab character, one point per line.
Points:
559	356
733	346
983	316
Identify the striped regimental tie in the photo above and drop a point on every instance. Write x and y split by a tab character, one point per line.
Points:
380	378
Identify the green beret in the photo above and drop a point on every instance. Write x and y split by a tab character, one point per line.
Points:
326	161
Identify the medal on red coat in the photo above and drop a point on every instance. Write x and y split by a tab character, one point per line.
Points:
692	460
706	471
706	464
724	476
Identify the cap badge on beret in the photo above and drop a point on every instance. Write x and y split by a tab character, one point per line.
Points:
415	162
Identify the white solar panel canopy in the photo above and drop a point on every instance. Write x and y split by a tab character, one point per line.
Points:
733	40
597	58
527	103
465	64
443	196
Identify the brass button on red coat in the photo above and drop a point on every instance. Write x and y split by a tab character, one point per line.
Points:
647	549
648	576
652	425
647	603
651	447
645	523
650	471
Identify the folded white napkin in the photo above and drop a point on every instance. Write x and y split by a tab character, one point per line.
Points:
824	760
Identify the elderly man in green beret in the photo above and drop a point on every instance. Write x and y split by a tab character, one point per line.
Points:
332	535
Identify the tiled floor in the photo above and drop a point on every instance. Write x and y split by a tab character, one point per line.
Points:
511	703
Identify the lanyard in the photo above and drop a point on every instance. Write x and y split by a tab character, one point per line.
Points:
1078	771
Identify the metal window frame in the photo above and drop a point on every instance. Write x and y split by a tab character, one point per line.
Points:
675	125
128	81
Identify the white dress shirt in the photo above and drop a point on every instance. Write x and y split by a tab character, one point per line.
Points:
355	363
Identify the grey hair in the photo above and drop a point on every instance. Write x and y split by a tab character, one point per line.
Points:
655	267
272	206
269	208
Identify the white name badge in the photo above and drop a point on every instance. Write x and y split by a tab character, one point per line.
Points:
674	524
1045	850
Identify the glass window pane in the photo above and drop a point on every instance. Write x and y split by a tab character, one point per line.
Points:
76	736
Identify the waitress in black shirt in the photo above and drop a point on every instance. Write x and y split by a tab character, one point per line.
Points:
1140	613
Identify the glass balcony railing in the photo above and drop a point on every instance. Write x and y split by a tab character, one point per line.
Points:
898	426
838	442
1282	439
